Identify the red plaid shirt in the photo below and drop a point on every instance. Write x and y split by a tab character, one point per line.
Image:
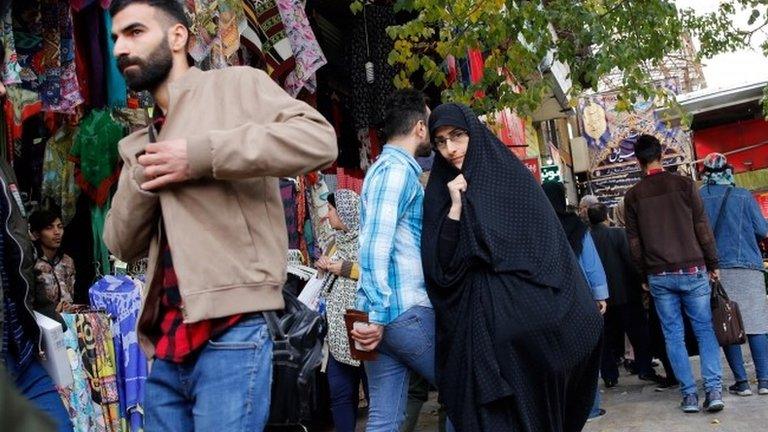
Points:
176	339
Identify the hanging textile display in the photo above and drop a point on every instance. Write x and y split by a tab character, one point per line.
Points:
96	171
307	52
12	69
59	185
117	90
93	398
120	296
318	210
263	32
59	89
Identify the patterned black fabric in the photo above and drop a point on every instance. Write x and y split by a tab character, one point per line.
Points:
517	330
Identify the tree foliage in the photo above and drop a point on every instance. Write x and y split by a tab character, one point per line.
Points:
595	38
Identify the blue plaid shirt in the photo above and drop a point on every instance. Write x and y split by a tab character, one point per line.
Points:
391	213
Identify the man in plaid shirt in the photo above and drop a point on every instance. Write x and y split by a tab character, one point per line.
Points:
392	288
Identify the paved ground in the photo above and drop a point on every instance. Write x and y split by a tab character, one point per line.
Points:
634	406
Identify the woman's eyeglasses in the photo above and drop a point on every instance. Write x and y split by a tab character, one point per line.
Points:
442	142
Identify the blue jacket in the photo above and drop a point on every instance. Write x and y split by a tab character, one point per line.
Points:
742	225
593	269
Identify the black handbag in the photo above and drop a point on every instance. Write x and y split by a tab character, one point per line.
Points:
726	316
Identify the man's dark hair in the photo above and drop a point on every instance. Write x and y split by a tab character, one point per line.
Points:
42	219
647	149
173	9
403	110
598	213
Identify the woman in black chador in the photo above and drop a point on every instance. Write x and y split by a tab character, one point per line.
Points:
518	332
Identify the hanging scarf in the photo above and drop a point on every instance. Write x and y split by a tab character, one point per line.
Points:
516	323
575	229
342	293
717	171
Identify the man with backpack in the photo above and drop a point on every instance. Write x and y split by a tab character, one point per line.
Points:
199	191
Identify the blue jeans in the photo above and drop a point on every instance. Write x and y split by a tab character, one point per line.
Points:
34	383
408	344
596	406
344	382
692	292
758	345
224	387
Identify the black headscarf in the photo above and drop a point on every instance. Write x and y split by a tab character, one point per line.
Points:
515	316
575	229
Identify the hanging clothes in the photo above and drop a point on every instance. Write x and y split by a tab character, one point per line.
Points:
89	34
263	32
121	297
83	413
95	155
27	33
20	105
369	42
59	89
307	52
29	156
59	185
117	90
12	69
288	195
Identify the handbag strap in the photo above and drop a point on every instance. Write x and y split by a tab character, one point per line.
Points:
722	210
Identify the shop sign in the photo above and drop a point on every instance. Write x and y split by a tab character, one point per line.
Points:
533	166
551	174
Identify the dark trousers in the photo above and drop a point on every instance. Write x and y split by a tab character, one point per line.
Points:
630	319
344	381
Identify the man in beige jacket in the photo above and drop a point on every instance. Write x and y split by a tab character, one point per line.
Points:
199	192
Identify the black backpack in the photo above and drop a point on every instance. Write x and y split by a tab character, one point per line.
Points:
297	335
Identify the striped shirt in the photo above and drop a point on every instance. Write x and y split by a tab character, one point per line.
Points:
391	213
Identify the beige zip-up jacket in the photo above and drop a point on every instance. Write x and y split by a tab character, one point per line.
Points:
226	227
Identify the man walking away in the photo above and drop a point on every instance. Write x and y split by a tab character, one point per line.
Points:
673	246
625	312
392	288
199	191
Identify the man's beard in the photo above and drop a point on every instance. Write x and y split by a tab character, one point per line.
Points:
424	149
149	73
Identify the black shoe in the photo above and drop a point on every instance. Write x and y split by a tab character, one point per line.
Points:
652	377
714	401
599	415
611	383
741	388
666	384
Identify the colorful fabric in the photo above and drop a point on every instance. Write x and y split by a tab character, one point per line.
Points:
59	184
57	279
77	397
392	279
12	70
121	298
27	33
717	171
106	371
95	155
263	32
307	52
117	90
288	195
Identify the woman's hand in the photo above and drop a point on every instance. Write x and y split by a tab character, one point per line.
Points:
334	268
322	263
456	187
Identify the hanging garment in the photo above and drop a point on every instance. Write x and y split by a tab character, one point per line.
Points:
263	32
95	155
29	156
307	52
87	331
59	185
77	397
106	370
12	70
121	298
89	34
117	90
288	194
59	88
79	5
318	210
20	105
100	251
375	47
27	33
